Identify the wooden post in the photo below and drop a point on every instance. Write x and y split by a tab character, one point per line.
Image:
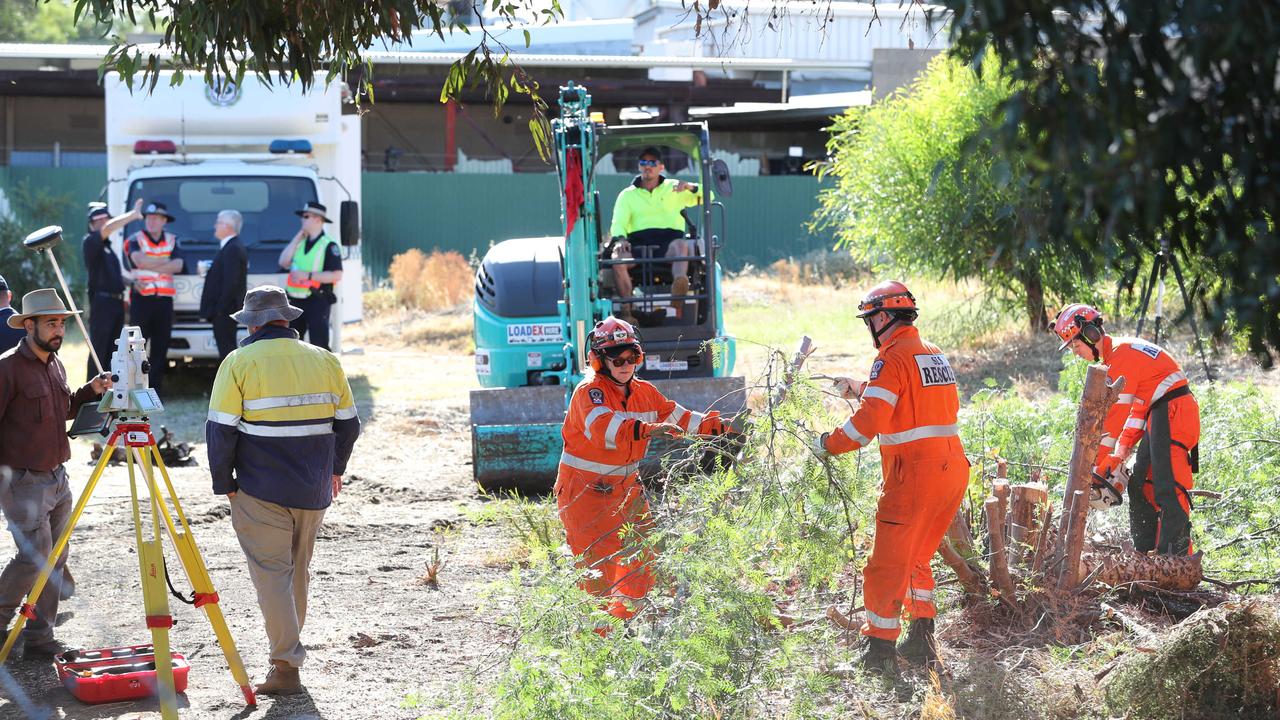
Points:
1095	401
999	560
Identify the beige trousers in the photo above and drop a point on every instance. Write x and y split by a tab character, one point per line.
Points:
278	541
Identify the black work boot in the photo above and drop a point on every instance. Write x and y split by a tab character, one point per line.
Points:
921	647
881	657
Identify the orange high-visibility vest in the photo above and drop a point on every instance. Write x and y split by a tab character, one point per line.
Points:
150	282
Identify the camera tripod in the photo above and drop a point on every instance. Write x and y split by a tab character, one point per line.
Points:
132	434
1154	283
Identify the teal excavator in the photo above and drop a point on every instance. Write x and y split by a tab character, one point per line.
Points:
537	298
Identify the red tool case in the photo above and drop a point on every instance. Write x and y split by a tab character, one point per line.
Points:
114	674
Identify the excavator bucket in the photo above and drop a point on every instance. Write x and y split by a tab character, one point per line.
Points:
515	432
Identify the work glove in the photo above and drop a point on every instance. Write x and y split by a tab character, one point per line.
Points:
849	388
712	424
1109	464
648	430
819	447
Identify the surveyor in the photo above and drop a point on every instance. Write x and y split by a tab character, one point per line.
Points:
281	428
910	402
34	493
154	257
106	281
647	213
315	267
612	417
1156	413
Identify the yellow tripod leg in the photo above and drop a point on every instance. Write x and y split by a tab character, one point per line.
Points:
20	620
198	574
154	596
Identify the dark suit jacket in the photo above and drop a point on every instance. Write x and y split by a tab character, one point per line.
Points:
225	283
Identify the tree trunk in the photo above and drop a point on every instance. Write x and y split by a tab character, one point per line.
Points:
1033	286
1176	573
1097	398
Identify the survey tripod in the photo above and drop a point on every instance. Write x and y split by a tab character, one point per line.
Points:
132	435
1154	283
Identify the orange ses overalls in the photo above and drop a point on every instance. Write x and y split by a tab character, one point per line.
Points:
911	403
598	491
1157	408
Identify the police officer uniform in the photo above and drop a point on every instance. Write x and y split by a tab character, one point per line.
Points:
313	255
151	298
106	290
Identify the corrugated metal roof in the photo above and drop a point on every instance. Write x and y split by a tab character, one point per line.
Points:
79	54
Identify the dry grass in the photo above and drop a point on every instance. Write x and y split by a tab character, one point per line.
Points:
430	282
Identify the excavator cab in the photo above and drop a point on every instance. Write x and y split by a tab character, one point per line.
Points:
536	298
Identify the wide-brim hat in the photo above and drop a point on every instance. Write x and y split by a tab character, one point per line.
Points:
97	209
264	304
156	208
44	301
314	208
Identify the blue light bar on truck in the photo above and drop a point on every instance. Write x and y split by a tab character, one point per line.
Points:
290	147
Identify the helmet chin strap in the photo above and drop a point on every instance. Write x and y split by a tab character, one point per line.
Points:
875	335
1092	348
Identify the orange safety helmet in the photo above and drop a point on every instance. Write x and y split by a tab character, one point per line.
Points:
890	296
610	336
1078	320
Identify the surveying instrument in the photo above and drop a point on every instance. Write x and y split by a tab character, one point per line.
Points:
123	417
1154	284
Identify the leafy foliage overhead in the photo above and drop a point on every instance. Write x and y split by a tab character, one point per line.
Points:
1152	118
308	40
914	196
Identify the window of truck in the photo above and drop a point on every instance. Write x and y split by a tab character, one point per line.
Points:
266	203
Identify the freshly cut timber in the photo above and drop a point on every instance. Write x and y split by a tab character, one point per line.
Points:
1176	573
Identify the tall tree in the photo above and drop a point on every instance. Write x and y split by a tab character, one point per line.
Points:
1149	118
914	195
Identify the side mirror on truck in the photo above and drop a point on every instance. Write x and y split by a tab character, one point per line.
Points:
349	223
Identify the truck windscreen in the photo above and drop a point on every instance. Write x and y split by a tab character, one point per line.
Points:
266	203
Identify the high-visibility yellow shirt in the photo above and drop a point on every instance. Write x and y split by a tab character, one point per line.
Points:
640	209
282	421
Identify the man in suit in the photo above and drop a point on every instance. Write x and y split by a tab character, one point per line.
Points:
226	282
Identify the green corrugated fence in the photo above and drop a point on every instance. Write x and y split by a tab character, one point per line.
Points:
765	218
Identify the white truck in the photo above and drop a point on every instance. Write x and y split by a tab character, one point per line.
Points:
264	151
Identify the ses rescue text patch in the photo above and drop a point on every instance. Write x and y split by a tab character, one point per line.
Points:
935	370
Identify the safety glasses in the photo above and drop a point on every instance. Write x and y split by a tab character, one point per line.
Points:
648	163
624	360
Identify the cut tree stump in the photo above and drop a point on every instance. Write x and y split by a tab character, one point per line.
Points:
1025	524
999	559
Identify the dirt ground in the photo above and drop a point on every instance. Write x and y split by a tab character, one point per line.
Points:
375	633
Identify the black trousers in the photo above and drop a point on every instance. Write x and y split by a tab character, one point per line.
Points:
314	320
154	315
106	320
1166	529
224	333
